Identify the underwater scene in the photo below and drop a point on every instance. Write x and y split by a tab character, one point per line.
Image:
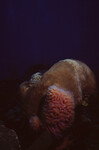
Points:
49	75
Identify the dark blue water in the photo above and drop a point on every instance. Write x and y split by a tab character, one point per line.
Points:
43	32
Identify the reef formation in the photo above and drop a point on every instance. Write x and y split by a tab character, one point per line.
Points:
49	100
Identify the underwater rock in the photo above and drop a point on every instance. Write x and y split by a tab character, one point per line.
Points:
54	97
8	139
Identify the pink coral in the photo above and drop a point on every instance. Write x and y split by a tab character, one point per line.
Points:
58	111
35	122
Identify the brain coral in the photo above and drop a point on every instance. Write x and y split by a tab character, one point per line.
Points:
58	111
61	89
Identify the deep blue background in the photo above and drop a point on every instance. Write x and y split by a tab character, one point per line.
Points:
45	31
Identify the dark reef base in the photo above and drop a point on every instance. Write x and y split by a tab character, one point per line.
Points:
12	117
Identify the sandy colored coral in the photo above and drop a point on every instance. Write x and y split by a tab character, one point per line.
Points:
59	89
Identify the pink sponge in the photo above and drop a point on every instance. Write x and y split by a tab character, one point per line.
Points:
58	111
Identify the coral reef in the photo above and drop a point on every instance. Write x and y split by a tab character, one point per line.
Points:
56	93
83	131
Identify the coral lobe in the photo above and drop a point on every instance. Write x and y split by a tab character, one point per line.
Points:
58	111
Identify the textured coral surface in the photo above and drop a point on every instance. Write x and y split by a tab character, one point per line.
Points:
85	136
58	111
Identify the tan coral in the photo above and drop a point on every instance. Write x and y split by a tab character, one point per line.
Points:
72	80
